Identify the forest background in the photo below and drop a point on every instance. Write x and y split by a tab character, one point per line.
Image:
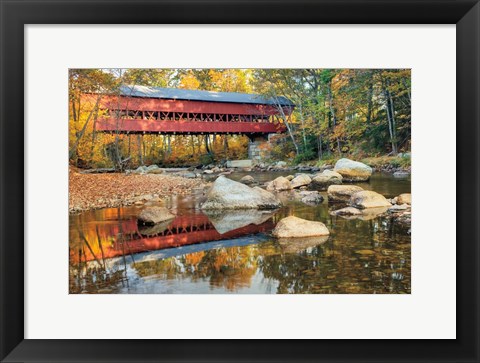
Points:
362	114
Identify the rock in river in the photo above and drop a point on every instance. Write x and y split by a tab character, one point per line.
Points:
247	179
405	198
401	174
312	198
323	180
228	194
368	199
353	170
279	184
154	215
342	193
297	227
300	181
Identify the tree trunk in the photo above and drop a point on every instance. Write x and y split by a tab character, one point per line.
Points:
302	120
319	142
225	146
207	147
139	144
389	120
332	112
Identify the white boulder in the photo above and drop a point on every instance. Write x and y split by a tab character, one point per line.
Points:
229	194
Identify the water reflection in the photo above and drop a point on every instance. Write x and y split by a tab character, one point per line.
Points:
232	252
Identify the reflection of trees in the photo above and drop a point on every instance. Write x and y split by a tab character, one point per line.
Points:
88	242
230	268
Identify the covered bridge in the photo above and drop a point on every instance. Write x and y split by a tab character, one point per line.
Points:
141	109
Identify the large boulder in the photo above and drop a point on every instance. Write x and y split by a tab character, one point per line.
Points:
228	194
300	181
279	184
297	227
342	193
405	198
154	215
353	170
323	180
368	199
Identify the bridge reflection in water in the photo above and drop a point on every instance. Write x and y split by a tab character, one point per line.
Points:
102	241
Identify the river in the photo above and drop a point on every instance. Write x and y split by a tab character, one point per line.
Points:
233	252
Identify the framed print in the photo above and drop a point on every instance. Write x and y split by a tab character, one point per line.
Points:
239	181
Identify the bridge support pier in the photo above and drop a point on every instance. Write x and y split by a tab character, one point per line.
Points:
259	148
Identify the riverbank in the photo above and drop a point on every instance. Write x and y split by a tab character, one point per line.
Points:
95	191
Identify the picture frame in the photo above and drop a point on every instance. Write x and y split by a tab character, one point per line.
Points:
16	14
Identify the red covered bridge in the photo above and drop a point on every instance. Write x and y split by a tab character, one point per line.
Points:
140	109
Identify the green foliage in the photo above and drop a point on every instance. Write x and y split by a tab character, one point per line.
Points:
206	159
305	156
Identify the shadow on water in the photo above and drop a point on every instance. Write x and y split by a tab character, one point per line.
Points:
233	252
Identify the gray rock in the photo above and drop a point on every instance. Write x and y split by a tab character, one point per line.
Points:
229	194
189	175
313	198
353	170
140	170
247	179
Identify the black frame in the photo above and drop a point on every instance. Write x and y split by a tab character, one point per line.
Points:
15	14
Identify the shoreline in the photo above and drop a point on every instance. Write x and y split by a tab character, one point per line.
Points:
92	191
88	192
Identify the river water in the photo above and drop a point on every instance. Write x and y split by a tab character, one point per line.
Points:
233	252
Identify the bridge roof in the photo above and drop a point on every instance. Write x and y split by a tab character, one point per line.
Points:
197	95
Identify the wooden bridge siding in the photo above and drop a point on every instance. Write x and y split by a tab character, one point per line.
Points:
165	105
186	127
